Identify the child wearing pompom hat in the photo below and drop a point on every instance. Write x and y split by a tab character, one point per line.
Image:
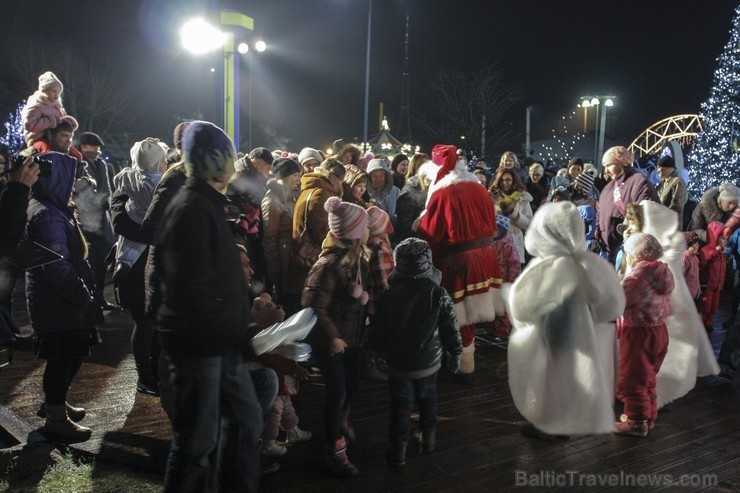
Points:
642	333
264	314
44	109
334	289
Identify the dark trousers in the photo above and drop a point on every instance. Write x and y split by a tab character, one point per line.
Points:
403	394
206	390
58	376
641	352
341	374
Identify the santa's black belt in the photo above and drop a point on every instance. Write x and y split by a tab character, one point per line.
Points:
470	245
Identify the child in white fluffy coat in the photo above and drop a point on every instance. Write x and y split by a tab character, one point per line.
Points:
44	109
149	161
563	309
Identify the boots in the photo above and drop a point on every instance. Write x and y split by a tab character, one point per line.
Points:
296	435
632	427
396	455
74	413
272	449
466	374
148	382
59	426
427	441
338	462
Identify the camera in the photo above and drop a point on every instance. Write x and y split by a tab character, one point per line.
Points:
44	164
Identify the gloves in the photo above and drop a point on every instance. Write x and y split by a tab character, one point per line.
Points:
453	364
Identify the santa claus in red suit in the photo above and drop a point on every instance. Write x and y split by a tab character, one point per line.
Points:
459	223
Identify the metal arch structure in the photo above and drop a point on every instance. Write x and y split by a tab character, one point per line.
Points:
681	128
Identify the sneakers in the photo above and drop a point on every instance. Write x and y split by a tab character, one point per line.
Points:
338	462
272	449
296	435
632	427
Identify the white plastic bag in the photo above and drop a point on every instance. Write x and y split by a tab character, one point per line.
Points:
297	351
294	328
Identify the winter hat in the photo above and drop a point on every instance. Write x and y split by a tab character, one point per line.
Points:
308	153
178	133
346	221
277	154
666	162
68	123
585	182
284	167
335	167
47	80
266	313
691	238
413	259
502	226
207	150
618	155
561	192
444	156
261	153
365	160
643	246
90	139
729	193
147	154
378	221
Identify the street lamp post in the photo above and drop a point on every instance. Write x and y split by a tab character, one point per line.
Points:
599	125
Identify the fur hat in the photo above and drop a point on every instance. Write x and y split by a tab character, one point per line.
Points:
413	260
666	162
178	133
147	154
643	246
502	226
266	313
208	151
263	154
90	139
729	193
346	221
284	167
378	221
47	80
585	181
308	153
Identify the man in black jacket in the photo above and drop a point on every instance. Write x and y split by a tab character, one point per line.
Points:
202	323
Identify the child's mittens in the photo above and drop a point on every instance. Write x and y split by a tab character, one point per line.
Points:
453	364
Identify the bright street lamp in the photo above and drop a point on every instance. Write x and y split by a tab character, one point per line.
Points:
242	48
600	124
260	46
198	36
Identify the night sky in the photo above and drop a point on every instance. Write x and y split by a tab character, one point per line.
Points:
658	57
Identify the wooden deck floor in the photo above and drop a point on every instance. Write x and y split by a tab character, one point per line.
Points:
479	444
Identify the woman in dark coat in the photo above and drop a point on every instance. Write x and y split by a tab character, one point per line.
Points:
60	297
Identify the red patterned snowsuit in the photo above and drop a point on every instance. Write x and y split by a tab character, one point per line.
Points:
712	265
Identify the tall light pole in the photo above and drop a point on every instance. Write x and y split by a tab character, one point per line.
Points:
367	68
599	125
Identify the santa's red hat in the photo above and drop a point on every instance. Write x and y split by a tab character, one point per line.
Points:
444	156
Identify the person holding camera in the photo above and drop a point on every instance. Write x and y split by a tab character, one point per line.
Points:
510	197
15	184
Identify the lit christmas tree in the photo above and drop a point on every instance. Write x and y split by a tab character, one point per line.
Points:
13	137
715	158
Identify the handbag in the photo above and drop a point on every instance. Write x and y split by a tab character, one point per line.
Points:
305	253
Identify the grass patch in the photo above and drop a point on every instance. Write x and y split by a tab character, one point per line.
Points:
75	475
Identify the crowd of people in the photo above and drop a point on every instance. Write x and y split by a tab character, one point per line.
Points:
405	260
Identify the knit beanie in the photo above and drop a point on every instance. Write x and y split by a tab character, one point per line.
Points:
378	221
666	162
308	153
178	133
284	167
365	160
208	151
691	238
618	155
47	80
261	153
413	259
147	154
585	182
502	226
643	246
346	221
266	313
729	193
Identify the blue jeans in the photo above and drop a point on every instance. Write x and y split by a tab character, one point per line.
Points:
207	389
266	385
341	374
403	394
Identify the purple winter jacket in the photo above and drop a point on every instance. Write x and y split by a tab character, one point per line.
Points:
59	296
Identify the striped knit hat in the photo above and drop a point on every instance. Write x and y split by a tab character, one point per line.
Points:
378	221
346	221
585	181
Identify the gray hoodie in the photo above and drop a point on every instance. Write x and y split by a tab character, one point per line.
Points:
385	198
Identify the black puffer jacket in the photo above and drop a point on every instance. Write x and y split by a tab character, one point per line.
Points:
205	304
415	320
